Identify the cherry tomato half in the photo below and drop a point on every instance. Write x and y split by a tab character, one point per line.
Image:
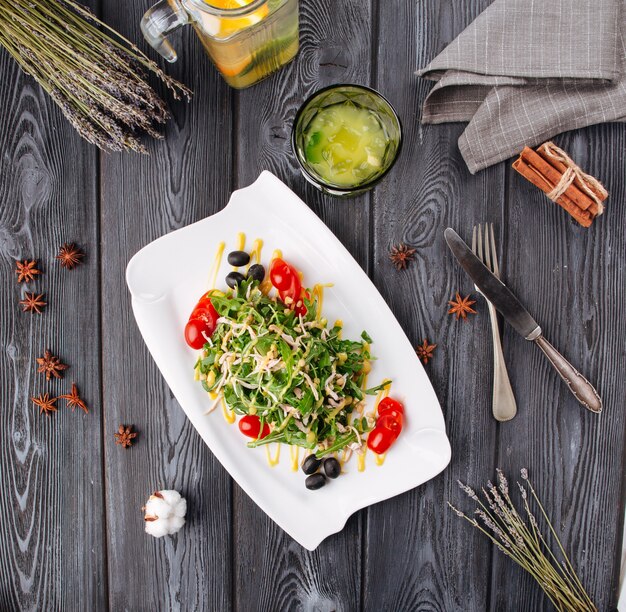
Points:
202	323
381	438
287	280
388	403
250	425
392	422
389	416
206	312
193	333
281	274
293	296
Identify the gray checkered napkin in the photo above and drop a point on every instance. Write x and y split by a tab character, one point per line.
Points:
526	70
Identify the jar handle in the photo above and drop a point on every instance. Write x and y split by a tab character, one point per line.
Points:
159	21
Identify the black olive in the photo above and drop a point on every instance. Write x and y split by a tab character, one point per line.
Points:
234	278
311	464
315	481
238	258
331	467
257	272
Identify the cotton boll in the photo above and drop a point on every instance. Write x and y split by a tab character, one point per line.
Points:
157	528
165	513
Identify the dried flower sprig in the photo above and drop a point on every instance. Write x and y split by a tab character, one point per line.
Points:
124	436
93	74
401	256
425	351
520	538
26	270
70	255
461	306
74	400
33	302
51	365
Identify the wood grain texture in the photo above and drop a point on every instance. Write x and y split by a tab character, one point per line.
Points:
185	178
71	533
574	456
420	556
52	553
272	572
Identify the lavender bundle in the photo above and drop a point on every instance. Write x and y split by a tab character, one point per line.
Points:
92	73
521	539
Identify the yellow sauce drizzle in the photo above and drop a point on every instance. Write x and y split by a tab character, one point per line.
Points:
241	245
380	459
255	252
229	415
339	323
294	453
318	293
217	262
273	461
382	393
360	460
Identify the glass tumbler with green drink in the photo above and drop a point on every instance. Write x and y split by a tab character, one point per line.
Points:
346	138
246	39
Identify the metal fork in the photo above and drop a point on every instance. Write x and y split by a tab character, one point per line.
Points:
504	406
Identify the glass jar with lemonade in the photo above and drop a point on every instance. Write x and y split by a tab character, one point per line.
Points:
246	39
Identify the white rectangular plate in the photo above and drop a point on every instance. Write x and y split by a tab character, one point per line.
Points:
167	277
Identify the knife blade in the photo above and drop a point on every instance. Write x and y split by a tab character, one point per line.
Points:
493	288
506	303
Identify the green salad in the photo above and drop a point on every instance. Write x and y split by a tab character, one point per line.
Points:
296	374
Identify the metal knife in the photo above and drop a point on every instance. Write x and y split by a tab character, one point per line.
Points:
516	315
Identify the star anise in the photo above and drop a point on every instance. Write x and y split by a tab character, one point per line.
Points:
461	306
401	256
46	403
50	365
425	351
74	400
70	255
125	435
26	270
33	303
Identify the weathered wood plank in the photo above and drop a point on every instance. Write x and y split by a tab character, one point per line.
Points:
51	491
572	280
272	572
415	554
419	554
185	178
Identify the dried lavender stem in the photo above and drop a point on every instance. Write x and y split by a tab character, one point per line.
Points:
95	75
526	545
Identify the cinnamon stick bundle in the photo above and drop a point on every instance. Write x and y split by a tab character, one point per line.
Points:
552	170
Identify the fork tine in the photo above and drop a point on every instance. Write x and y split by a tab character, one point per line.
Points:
487	249
474	240
480	243
496	268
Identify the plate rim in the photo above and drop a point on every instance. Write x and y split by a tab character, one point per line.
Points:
267	180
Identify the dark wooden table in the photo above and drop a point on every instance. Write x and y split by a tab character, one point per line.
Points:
71	529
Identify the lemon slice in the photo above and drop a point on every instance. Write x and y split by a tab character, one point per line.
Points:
229	25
